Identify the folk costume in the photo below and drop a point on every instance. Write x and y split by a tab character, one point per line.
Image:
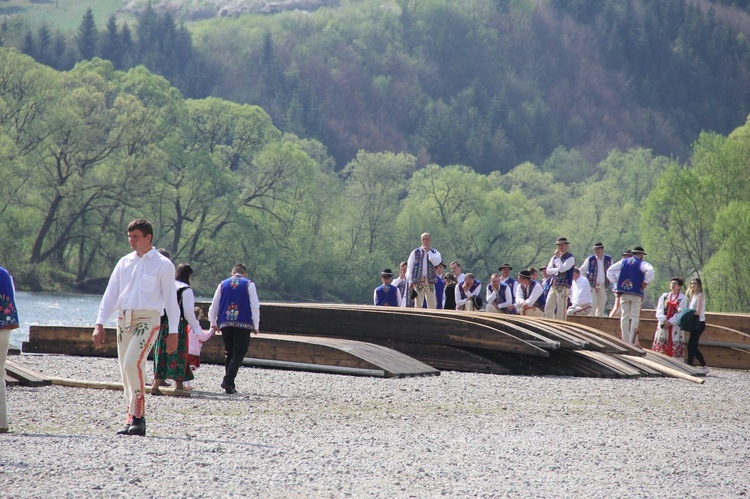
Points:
464	299
421	273
387	295
560	268
580	297
174	365
669	339
631	275
139	289
595	270
8	322
498	300
235	310
530	296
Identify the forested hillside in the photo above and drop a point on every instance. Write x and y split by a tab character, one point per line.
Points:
484	83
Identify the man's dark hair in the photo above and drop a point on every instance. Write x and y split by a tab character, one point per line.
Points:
164	253
239	269
142	225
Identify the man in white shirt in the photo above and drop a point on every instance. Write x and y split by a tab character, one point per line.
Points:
466	292
457	272
631	276
422	274
498	296
140	287
580	296
528	295
594	268
401	282
560	268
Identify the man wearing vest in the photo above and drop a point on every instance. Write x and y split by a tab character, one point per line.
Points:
560	268
422	275
498	296
506	279
387	295
632	275
235	310
595	268
529	300
466	291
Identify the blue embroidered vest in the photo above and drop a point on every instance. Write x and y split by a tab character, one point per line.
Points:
593	272
500	297
439	288
387	294
472	289
8	312
631	277
565	280
512	283
416	273
234	305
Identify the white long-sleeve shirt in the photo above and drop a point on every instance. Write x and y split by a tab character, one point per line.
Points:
661	308
213	310
533	297
469	294
434	257
402	297
581	292
506	300
601	276
197	335
698	303
557	266
141	283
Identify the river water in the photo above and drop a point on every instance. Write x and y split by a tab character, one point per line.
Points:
57	309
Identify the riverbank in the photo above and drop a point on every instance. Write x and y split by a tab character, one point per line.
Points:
293	434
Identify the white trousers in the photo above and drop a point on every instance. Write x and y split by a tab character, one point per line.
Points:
582	309
599	295
4	342
532	312
557	298
425	291
136	333
631	314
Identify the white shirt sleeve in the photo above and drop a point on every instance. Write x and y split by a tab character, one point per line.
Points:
648	270
254	304
661	314
434	256
188	310
213	310
111	294
409	267
613	273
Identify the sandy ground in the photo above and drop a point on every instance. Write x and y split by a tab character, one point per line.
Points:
293	434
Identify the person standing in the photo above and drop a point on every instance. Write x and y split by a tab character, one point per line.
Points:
421	274
632	275
580	296
506	279
529	295
235	311
616	312
8	322
140	287
697	303
595	268
401	282
457	272
387	295
669	339
175	365
560	268
498	296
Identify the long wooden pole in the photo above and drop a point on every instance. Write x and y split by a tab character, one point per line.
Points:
666	370
105	385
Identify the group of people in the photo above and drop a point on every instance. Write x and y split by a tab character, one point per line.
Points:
564	289
156	307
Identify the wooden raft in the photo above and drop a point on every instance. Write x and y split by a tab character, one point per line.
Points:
334	355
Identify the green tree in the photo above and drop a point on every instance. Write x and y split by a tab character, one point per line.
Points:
87	36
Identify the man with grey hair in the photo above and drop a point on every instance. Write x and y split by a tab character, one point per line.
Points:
421	273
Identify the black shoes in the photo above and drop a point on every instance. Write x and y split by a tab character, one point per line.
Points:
229	389
137	427
124	431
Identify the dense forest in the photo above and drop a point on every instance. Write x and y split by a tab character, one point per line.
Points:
317	146
483	83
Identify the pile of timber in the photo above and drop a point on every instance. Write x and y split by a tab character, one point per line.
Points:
394	342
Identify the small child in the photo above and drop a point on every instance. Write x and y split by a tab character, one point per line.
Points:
195	342
387	295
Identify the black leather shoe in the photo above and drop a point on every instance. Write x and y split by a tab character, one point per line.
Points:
124	431
229	389
137	427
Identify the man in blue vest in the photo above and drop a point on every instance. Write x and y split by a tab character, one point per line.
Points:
235	310
387	295
466	293
506	279
560	268
595	268
632	275
422	274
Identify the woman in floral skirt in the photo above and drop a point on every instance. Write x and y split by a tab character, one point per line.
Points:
669	339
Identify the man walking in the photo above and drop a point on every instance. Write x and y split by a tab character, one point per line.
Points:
140	287
235	311
595	268
632	275
422	274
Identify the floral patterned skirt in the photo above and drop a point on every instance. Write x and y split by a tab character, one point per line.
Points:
172	366
661	342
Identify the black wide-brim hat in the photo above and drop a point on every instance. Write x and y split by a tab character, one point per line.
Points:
639	249
386	273
561	240
505	266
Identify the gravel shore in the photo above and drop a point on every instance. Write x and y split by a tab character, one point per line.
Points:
294	434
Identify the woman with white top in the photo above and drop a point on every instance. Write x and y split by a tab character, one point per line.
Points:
697	303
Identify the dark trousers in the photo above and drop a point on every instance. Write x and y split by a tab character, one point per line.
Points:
692	346
236	343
